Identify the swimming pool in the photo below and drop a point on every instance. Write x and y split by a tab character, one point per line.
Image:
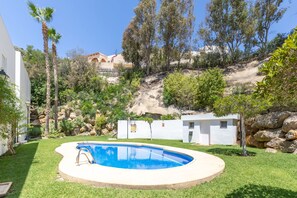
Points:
198	167
134	156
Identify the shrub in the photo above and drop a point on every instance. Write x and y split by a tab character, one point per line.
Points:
180	90
100	122
209	60
67	95
66	127
211	87
167	117
191	92
78	122
34	132
87	108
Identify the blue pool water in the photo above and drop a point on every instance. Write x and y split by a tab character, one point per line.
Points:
135	157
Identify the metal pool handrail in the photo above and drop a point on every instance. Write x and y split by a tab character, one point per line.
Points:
80	153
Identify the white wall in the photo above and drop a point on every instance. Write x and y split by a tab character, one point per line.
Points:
17	73
3	146
172	129
23	91
7	50
217	135
226	136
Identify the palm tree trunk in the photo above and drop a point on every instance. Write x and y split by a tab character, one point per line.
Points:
54	49
48	77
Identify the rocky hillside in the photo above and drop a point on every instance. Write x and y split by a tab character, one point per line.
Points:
274	131
149	99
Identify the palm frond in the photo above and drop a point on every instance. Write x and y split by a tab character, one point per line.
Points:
48	14
34	11
53	35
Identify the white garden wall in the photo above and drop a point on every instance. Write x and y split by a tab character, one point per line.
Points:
167	129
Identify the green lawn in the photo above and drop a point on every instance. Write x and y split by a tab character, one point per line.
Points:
33	171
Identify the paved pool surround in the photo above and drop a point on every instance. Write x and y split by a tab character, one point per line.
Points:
202	168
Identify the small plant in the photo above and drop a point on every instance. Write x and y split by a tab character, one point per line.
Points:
150	121
66	127
100	122
79	122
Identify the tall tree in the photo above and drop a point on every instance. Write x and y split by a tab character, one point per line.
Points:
131	45
280	82
226	25
186	29
43	16
175	27
55	37
267	12
145	19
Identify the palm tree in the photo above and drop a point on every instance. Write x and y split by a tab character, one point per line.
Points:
55	37
43	16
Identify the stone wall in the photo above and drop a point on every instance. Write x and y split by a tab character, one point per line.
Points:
276	130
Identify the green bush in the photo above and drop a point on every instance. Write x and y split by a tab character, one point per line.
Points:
180	90
100	122
78	122
34	132
191	92
210	60
87	108
211	85
168	117
66	127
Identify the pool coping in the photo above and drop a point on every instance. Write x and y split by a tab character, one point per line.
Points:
203	168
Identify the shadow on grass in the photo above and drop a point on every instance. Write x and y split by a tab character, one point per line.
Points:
15	168
260	191
229	152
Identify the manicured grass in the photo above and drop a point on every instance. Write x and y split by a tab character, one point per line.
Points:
33	171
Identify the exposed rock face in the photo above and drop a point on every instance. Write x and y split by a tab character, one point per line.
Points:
251	141
93	132
290	123
271	120
36	123
275	143
149	98
270	150
248	126
288	146
104	131
109	126
291	135
72	115
267	135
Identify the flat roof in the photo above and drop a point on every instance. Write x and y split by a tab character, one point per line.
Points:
209	116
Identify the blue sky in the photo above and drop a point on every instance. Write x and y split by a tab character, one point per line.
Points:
95	25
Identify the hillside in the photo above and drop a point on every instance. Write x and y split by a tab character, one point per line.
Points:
149	98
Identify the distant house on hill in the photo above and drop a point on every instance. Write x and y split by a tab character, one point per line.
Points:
108	62
209	49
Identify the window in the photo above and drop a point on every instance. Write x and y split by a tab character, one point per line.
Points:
223	124
191	125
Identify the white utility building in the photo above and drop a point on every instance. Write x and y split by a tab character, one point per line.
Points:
204	129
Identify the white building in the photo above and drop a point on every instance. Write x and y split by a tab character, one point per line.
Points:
204	129
12	64
207	129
